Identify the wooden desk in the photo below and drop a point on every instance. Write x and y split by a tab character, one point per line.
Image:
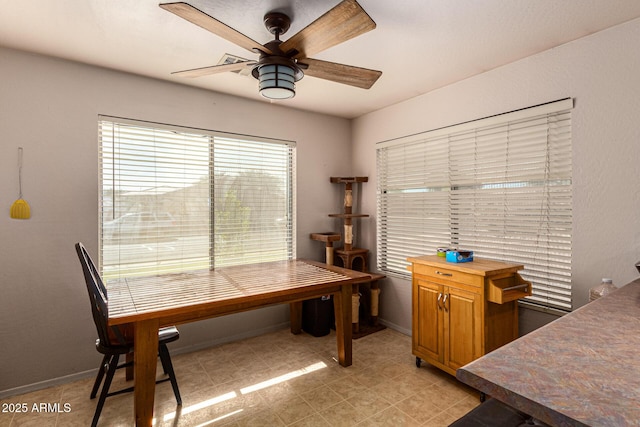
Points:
582	369
150	303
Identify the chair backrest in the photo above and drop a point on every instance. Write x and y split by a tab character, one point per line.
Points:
97	295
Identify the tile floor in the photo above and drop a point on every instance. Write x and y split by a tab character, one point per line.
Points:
277	379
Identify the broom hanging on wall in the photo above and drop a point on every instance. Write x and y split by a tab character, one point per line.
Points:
20	208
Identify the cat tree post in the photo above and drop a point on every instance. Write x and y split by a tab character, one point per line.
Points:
328	239
353	258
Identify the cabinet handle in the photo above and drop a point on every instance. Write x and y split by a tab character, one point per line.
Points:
438	303
444	274
444	302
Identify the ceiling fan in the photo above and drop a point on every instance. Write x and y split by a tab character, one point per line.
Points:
282	63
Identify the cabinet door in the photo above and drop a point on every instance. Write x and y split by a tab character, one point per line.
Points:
463	327
428	320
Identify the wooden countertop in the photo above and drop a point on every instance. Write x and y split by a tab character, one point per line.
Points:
479	266
580	370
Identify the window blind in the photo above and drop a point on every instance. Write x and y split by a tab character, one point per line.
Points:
178	199
499	186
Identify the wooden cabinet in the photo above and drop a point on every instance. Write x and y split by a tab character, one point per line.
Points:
462	311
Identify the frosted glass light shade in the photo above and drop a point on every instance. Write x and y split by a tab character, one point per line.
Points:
277	81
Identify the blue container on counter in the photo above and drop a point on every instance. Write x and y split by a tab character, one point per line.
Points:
459	256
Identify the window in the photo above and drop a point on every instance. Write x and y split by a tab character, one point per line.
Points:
500	186
178	199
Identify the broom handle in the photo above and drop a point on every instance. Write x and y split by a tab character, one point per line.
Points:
20	171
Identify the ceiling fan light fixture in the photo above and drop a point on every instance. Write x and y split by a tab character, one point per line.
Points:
277	81
281	63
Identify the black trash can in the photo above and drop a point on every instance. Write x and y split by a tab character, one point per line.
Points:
317	316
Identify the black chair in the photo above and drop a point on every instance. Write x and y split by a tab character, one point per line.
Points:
113	341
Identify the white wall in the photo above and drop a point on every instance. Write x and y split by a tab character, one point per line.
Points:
601	73
50	107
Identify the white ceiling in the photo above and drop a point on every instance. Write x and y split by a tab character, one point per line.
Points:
419	45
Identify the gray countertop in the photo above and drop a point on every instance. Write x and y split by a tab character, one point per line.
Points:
582	369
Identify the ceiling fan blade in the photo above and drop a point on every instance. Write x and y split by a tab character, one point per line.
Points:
344	22
340	73
214	69
209	23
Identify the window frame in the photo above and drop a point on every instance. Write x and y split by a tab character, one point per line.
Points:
232	157
431	186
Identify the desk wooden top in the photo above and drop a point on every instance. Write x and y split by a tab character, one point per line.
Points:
184	297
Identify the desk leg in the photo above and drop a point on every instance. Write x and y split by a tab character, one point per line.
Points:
295	316
144	365
129	368
342	309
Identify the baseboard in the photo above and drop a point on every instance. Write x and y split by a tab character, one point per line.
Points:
28	388
48	383
231	338
395	327
178	350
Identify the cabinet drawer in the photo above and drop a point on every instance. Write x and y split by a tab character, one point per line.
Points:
440	274
508	289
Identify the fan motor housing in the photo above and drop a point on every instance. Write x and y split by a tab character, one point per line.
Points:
277	23
277	58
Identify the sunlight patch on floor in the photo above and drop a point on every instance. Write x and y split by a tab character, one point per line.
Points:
282	378
246	390
208	423
202	405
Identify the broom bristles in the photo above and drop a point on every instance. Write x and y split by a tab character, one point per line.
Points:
20	210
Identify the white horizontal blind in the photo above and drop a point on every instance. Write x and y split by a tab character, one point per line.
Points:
178	199
414	211
506	195
253	197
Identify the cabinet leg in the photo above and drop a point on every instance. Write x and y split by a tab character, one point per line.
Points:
418	362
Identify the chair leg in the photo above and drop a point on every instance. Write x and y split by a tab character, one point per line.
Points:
111	370
165	358
99	377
